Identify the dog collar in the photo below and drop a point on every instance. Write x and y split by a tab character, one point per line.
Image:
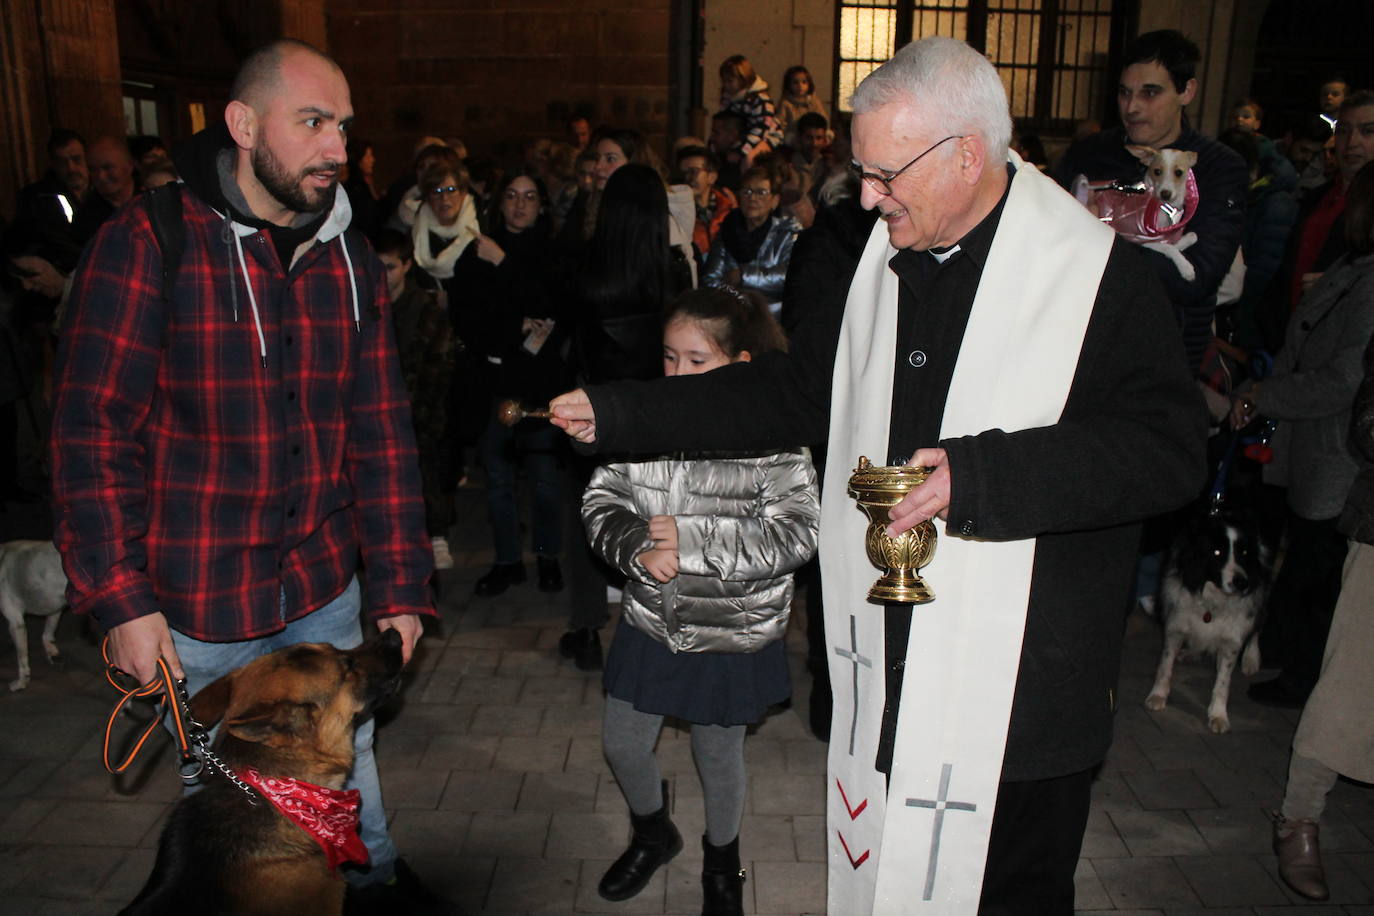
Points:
329	816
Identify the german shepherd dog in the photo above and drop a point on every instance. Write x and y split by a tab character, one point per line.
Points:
290	714
1216	580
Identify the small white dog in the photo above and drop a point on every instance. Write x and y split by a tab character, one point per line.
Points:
1166	178
31	582
1154	212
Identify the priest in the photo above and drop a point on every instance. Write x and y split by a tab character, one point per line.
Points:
995	332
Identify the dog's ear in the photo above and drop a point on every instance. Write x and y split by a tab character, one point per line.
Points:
1143	153
274	724
1189	159
209	703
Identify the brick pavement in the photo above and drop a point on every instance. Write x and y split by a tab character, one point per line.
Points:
500	798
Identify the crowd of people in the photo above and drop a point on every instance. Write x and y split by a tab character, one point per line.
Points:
306	368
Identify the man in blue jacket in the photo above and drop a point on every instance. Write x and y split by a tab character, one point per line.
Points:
1157	83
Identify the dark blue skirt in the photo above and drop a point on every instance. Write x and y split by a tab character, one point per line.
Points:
706	688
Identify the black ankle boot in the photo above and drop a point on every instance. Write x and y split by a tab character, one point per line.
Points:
583	647
501	577
654	842
722	879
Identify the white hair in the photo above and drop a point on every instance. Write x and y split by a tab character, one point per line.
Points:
952	84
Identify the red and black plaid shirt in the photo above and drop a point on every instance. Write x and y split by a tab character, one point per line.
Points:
188	478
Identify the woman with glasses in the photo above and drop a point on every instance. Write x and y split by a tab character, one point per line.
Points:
754	245
445	227
446	222
505	281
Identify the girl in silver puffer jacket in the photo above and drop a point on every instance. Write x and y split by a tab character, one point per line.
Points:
708	545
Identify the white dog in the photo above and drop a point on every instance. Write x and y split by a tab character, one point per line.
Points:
1166	178
31	582
1154	212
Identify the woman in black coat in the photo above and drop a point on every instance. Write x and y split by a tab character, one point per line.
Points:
629	272
502	286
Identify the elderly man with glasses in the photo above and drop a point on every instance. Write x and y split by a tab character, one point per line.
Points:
998	335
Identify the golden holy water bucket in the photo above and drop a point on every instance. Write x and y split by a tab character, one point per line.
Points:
877	490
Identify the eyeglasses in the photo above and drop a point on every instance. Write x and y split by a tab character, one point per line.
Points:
755	192
440	192
882	183
527	196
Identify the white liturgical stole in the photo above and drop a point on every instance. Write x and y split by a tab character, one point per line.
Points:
920	847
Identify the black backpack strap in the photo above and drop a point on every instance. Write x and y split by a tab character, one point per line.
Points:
360	247
169	229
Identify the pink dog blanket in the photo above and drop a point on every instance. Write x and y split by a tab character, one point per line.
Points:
1141	217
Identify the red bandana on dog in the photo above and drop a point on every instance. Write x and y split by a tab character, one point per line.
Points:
329	816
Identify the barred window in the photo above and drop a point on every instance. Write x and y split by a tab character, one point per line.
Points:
1053	55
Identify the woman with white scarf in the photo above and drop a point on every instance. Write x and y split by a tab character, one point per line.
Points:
445	225
446	222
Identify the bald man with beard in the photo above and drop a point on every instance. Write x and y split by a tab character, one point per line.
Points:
227	450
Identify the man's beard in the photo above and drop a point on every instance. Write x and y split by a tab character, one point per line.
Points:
285	188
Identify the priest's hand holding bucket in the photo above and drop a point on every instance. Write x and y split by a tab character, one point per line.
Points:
878	491
928	500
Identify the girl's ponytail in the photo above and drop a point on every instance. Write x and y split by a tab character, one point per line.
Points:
734	319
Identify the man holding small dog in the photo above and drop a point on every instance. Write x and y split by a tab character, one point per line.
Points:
999	335
1157	83
231	429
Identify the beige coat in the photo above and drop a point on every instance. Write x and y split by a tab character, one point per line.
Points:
1337	725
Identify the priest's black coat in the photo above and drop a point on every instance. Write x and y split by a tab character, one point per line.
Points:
1129	445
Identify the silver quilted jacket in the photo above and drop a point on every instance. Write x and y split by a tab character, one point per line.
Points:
768	271
744	524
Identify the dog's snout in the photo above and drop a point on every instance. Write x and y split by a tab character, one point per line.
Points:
1165	194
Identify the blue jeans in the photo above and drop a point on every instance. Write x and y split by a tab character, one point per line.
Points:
501	447
336	623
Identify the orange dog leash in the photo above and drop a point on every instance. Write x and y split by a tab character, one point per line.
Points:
190	740
193	739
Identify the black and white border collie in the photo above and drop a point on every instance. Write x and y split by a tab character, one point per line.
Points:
1215	583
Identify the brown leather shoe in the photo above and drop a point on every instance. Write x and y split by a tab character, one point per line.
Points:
1300	858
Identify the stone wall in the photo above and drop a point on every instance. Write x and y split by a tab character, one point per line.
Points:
1225	32
496	75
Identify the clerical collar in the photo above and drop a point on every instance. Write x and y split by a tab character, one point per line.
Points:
977	242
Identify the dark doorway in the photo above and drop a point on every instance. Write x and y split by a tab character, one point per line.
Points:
1303	43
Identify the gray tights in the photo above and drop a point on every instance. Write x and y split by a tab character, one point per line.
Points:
628	737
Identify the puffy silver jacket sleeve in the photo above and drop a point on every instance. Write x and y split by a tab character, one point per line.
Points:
718	263
768	271
615	532
778	539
